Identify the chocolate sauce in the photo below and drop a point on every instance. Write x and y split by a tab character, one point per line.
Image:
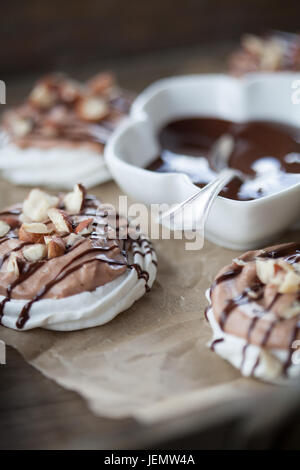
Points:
206	314
256	364
250	329
244	351
267	152
268	333
291	350
10	212
289	251
27	271
242	299
276	297
149	250
216	341
7	255
231	274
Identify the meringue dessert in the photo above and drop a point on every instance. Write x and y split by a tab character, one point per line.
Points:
69	262
255	313
273	52
57	136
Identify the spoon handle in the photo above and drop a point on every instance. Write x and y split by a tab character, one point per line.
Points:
200	202
208	194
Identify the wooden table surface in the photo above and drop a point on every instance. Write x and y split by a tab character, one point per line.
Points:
35	413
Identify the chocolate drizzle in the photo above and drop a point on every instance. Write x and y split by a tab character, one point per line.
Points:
11	212
27	271
290	252
231	274
205	313
216	341
290	354
242	299
14	250
251	328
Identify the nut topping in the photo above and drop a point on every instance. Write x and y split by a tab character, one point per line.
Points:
268	52
265	270
74	200
37	204
33	233
61	220
21	127
92	109
280	273
291	311
69	91
290	283
72	239
101	83
85	227
253	44
55	246
12	264
35	252
42	96
4	228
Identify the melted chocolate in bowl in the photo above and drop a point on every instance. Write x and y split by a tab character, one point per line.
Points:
268	152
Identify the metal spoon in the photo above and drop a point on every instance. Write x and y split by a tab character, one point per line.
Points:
202	201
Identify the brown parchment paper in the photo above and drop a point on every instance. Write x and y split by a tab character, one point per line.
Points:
152	361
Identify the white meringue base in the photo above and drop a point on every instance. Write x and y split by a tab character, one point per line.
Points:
271	362
57	168
86	309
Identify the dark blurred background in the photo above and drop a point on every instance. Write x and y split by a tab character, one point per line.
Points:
40	35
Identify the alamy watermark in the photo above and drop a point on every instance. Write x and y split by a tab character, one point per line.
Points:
2	352
2	92
295	97
187	224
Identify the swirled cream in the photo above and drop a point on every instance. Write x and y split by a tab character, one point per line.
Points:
68	263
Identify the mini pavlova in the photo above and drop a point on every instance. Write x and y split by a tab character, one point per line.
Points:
57	136
255	313
69	262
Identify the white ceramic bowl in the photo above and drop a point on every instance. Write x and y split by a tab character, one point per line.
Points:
233	224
